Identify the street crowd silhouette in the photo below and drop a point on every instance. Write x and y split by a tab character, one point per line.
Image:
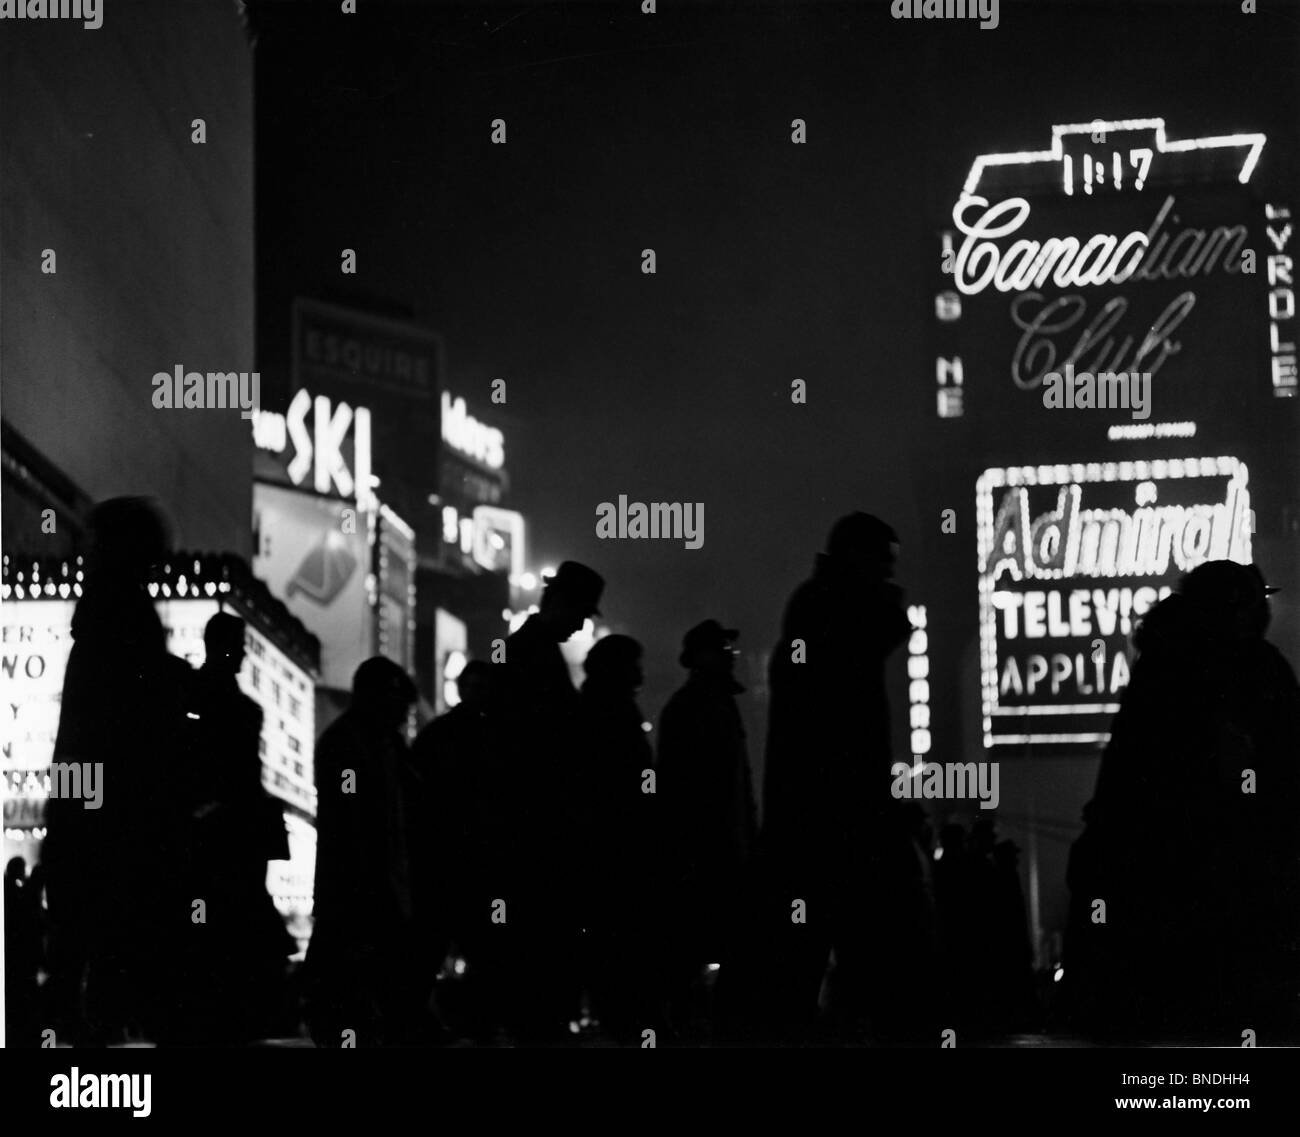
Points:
532	871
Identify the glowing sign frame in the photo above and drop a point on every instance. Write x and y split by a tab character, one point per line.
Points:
1060	475
1255	143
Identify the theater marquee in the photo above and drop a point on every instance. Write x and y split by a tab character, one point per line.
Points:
1070	557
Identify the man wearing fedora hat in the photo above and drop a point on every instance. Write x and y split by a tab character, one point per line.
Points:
535	671
540	711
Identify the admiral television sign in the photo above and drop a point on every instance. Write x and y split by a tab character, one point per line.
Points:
1070	558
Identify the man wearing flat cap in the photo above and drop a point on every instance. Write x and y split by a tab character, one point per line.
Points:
707	803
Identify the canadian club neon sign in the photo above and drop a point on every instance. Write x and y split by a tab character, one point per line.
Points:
998	244
1102	259
1070	557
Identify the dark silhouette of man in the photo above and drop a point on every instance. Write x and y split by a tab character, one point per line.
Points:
114	871
613	855
826	785
363	973
235	959
706	802
1194	817
462	830
542	734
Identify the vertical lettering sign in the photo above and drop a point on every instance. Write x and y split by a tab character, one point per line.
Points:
1070	557
395	570
472	477
1115	249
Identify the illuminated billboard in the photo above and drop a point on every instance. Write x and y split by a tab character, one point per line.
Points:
1111	311
1118	248
313	553
336	348
37	635
35	641
1070	557
472	482
318	445
395	368
450	648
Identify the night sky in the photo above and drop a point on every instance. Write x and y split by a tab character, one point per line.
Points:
775	261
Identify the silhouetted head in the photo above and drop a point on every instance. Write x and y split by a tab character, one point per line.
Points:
571	597
864	546
223	643
381	690
474	685
16	869
128	537
1228	598
614	663
708	649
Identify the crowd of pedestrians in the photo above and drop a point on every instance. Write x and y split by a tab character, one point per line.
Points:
531	865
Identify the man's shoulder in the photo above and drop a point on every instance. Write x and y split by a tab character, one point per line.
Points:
1277	668
439	731
529	638
807	607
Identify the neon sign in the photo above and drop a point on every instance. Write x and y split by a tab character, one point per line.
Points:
1070	557
1138	158
319	451
999	244
918	687
465	434
1281	302
1108	259
1061	258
